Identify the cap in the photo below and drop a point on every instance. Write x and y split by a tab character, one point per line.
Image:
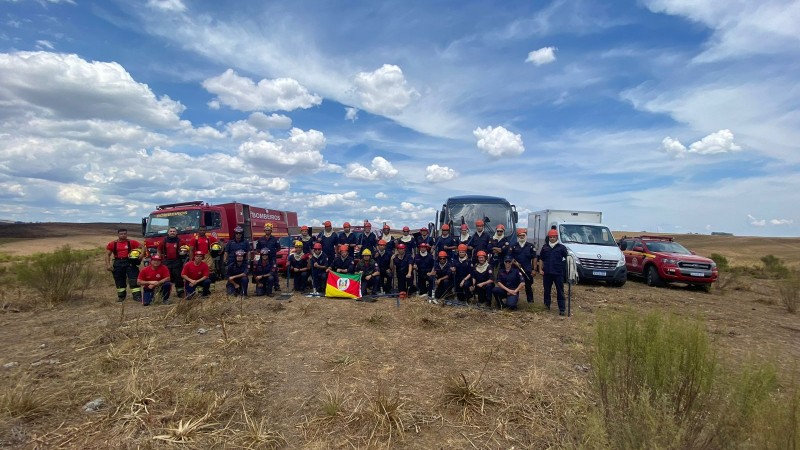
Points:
501	227
155	258
462	247
481	253
445	227
442	254
522	231
381	242
346	225
317	246
478	223
406	229
401	246
552	233
327	223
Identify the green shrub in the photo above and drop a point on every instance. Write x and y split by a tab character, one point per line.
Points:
722	261
789	292
58	276
774	267
659	386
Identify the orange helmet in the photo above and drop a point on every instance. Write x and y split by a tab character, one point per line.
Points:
501	227
445	227
442	254
401	246
478	223
552	233
521	231
464	227
344	248
482	253
346	225
381	242
462	247
327	223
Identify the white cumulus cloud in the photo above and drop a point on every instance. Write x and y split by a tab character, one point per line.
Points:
328	200
381	168
714	143
381	196
437	174
498	142
384	91
302	149
781	221
78	195
544	55
756	222
351	114
243	94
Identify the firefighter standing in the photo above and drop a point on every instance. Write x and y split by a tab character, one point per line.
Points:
402	266
328	238
423	264
479	242
524	254
173	259
384	259
347	238
127	255
272	244
462	267
552	259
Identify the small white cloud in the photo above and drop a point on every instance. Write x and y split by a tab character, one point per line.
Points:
499	142
243	94
381	196
327	200
264	122
384	91
756	222
437	174
167	5
78	195
302	149
544	55
42	44
714	143
381	168
781	221
351	114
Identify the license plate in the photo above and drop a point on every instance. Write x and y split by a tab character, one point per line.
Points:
697	274
598	273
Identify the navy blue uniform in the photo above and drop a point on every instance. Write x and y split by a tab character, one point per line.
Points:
319	271
237	268
553	260
368	241
298	267
233	246
483	275
498	249
401	265
446	244
370	276
262	276
272	244
442	281
424	264
511	279
328	244
463	269
524	256
411	244
308	243
384	261
423	240
479	242
342	265
350	240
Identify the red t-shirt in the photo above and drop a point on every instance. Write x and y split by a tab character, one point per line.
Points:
122	248
202	244
195	271
150	273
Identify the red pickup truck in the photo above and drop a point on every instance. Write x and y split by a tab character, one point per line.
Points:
659	259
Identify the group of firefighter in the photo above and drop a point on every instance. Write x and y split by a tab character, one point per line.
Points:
462	266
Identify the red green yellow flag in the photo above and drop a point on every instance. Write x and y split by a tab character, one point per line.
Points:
343	285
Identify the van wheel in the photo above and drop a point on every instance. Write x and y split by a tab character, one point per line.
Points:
617	284
652	277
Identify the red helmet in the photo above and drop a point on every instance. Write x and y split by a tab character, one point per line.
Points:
401	246
327	223
317	246
381	242
464	226
482	253
367	225
199	253
521	231
344	248
501	227
406	229
478	223
462	247
442	254
552	232
304	227
346	225
423	229
445	227
386	227
155	258
424	245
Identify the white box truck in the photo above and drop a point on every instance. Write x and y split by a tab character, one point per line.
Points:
591	243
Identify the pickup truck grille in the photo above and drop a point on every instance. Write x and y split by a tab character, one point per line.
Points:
599	264
694	265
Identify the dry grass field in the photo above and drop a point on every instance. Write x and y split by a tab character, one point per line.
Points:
323	373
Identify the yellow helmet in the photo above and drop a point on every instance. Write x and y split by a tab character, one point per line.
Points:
135	254
185	249
216	246
366	252
298	244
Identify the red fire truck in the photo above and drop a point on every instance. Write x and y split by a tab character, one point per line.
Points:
220	220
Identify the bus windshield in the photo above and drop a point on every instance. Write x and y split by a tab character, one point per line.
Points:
496	213
184	221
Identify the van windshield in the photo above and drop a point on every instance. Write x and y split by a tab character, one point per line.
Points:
185	221
497	213
586	234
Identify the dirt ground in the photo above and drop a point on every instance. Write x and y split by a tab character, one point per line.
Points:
324	373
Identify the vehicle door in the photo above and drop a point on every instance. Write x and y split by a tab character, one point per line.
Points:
634	256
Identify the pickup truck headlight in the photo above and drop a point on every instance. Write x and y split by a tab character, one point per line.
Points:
670	261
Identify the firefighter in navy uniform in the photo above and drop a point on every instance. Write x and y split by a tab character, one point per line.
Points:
272	244
370	274
462	267
442	278
236	244
408	240
402	266
263	274
342	263
424	238
499	245
173	260
237	274
479	242
126	254
524	254
446	243
383	257
328	238
507	285
346	237
318	263
482	280
368	240
552	257
306	239
298	267
464	238
423	264
387	237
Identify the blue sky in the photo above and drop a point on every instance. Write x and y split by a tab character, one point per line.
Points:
666	115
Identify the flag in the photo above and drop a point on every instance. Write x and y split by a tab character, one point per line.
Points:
343	285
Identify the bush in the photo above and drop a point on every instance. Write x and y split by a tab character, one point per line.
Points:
59	275
722	261
789	291
659	386
774	267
